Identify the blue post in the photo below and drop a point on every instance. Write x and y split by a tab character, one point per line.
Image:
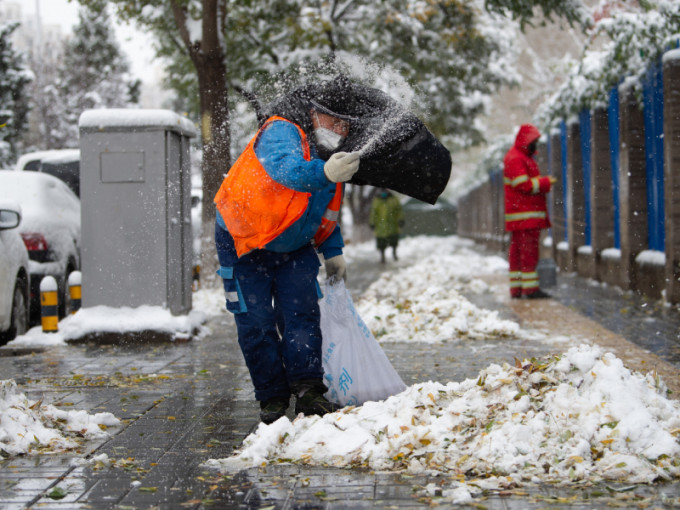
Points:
652	93
584	122
565	184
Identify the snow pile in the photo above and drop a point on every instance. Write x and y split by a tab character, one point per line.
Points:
578	416
422	302
105	319
211	302
29	427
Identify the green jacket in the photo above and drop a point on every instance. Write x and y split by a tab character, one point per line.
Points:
386	216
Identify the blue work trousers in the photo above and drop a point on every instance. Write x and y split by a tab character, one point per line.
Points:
274	298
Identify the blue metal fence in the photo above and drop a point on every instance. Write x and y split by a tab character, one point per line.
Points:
613	119
565	186
652	95
584	124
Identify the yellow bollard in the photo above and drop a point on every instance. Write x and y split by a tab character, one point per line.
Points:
49	304
75	290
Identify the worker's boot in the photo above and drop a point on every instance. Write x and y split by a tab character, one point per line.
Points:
273	409
309	394
537	294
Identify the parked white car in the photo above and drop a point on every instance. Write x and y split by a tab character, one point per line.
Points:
14	274
64	164
50	229
32	160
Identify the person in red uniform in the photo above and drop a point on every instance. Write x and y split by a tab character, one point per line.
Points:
526	212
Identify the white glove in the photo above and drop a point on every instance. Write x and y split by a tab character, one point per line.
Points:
336	268
341	166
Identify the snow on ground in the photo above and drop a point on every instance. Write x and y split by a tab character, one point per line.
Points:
422	301
578	416
105	319
31	427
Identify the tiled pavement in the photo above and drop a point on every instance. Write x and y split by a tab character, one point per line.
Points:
184	403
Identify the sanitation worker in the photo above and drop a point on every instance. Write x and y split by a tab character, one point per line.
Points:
526	212
277	207
386	219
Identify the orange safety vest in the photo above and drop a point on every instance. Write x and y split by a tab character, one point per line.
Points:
330	217
256	209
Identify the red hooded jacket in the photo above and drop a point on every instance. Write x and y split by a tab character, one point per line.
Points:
525	189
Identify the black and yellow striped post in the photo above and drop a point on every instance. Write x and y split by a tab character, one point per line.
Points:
49	304
75	280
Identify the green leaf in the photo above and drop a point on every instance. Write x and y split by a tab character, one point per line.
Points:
57	493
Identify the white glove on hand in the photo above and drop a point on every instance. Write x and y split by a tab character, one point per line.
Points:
342	166
336	268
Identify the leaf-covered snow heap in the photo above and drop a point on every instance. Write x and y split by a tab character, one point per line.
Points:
423	302
579	416
29	427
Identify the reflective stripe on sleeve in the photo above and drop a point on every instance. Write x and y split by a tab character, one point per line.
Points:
525	216
516	181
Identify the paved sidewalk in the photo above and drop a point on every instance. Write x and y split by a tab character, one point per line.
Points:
182	404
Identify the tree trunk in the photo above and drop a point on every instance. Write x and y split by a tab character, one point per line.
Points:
209	58
216	157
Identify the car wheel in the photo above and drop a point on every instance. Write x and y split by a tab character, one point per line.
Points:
19	321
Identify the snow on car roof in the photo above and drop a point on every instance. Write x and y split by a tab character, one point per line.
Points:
62	156
38	156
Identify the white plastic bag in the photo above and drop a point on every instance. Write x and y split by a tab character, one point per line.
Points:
356	369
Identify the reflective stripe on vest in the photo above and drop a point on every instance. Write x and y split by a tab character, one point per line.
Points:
255	208
330	217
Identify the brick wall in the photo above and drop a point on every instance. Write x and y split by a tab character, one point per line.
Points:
632	184
601	192
671	129
556	197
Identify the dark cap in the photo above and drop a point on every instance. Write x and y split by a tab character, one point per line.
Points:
335	97
323	109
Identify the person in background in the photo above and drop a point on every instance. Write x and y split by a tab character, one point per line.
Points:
386	219
526	212
277	207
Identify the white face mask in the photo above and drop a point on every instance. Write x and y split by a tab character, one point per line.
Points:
327	138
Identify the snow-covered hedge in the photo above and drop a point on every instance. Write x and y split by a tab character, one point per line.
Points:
635	39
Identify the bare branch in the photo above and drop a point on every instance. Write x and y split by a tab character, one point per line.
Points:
252	99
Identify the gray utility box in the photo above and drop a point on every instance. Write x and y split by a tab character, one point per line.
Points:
135	190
